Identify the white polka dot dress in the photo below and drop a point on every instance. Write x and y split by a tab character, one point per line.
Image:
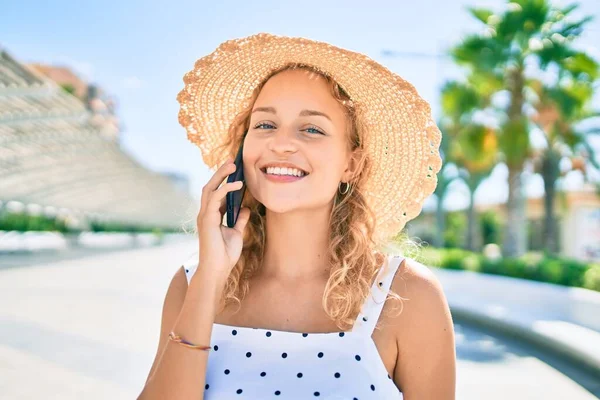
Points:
257	363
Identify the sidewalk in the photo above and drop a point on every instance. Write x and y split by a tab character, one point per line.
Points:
561	319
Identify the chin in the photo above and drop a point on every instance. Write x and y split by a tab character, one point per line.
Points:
279	207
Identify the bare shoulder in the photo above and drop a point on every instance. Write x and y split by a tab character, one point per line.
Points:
425	334
416	279
425	304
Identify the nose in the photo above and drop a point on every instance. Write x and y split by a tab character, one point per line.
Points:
283	141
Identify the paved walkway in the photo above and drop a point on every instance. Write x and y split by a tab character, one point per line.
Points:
87	328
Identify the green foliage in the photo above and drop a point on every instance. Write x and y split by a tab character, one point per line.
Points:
452	258
526	32
490	227
23	222
480	53
458	99
96	226
481	14
456	225
579	64
67	87
515	140
537	266
591	278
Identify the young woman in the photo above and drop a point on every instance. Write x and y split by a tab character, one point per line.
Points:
293	302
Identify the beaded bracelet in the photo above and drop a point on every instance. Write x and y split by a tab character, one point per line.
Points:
176	338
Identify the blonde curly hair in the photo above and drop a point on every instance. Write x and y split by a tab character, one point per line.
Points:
355	259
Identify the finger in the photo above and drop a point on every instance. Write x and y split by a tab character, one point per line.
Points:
242	220
216	199
222	206
223	210
227	168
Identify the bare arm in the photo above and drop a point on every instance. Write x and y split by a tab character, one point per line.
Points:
179	372
426	363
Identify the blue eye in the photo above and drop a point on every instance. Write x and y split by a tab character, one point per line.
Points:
264	123
316	130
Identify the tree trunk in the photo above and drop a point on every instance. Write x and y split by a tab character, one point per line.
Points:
515	233
440	221
550	174
514	243
471	221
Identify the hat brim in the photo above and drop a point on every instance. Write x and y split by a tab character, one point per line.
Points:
402	139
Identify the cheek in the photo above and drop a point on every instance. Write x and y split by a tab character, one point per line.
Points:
251	154
328	168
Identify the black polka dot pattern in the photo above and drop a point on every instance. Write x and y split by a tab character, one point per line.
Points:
248	363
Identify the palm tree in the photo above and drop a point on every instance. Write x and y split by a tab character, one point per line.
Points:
445	179
473	146
527	32
560	113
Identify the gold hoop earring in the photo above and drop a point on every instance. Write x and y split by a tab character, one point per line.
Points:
347	187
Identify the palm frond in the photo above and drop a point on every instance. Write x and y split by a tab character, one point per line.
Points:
482	14
579	64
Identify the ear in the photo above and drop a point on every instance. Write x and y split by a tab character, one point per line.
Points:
352	165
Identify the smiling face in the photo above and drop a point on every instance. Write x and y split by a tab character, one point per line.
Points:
296	123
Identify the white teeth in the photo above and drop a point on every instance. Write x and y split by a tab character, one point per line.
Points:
284	171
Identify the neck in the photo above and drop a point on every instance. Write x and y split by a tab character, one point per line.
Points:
297	246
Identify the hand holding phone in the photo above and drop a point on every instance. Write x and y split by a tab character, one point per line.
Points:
219	247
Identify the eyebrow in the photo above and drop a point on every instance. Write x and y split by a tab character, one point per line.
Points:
303	113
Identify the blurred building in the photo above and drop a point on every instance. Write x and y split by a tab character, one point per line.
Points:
59	147
101	106
181	181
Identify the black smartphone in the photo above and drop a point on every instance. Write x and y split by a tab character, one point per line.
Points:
234	198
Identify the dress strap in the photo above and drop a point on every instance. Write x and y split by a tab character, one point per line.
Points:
190	266
373	305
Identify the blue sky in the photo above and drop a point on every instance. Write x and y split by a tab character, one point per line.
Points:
138	51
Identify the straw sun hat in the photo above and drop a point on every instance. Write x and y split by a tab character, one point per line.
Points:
402	140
